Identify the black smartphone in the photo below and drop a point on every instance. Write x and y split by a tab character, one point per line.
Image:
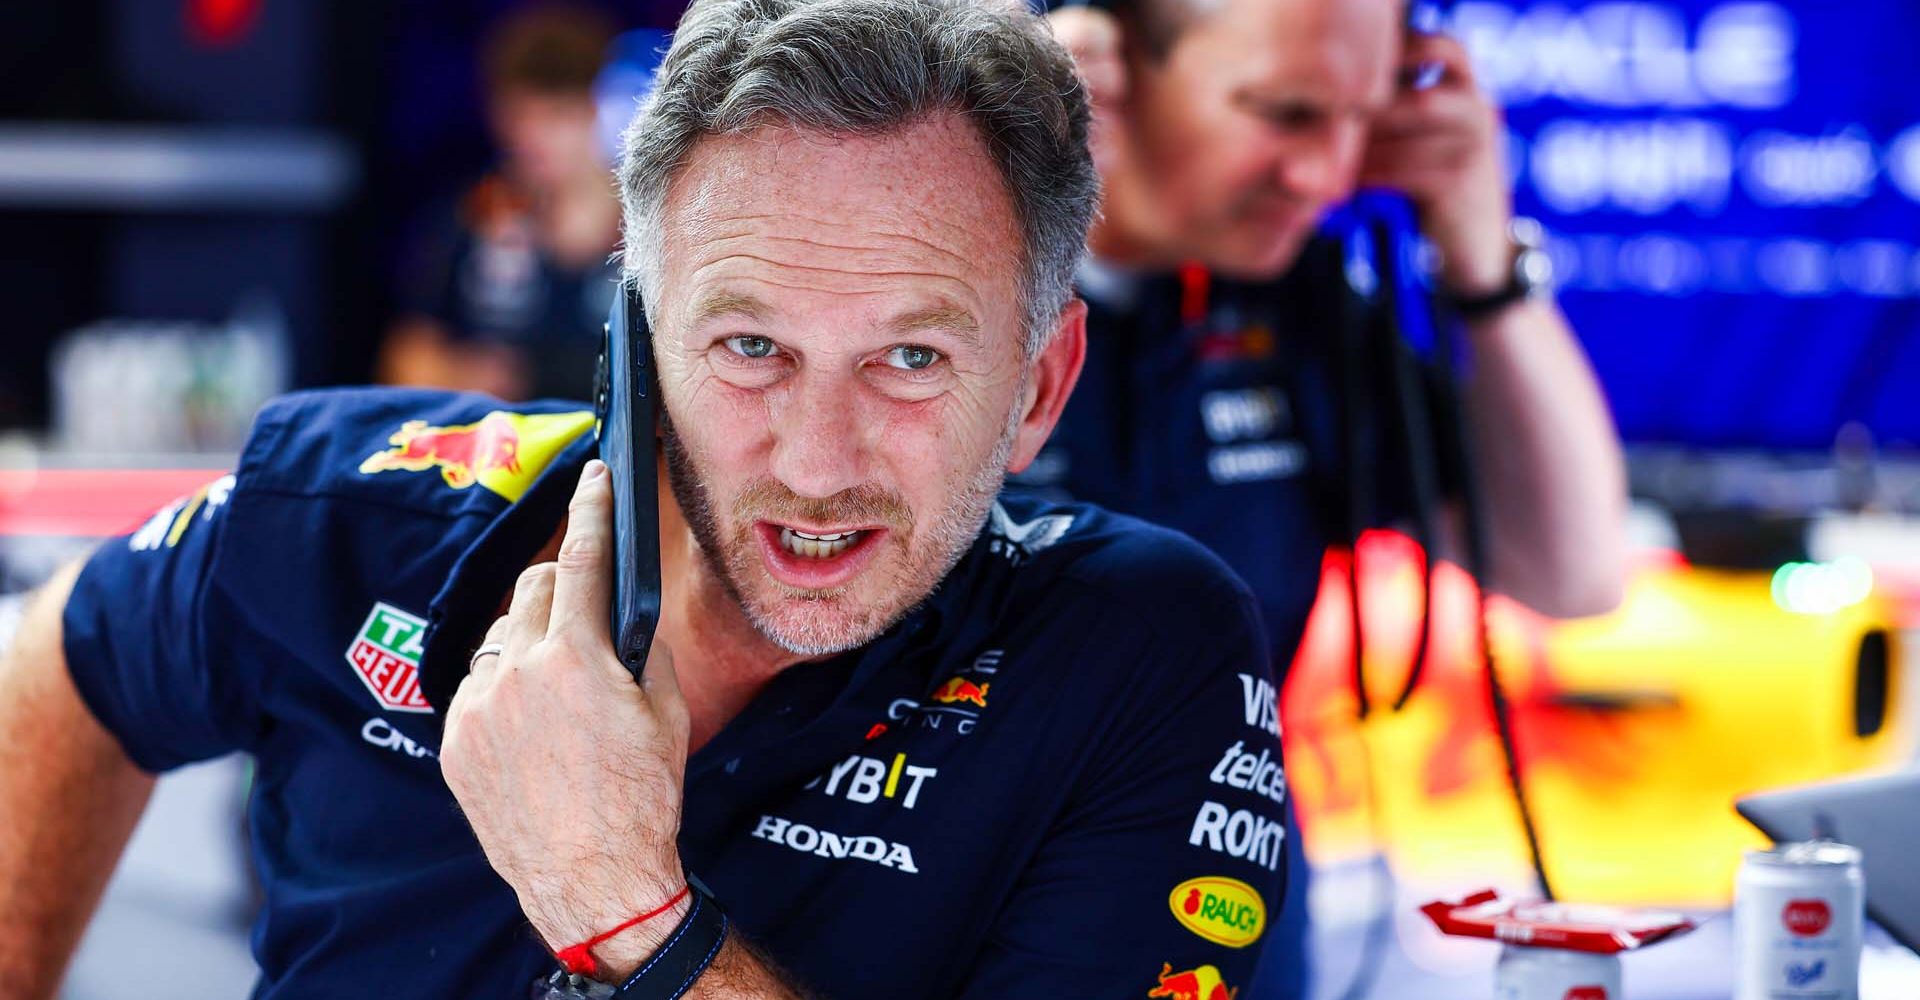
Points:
626	398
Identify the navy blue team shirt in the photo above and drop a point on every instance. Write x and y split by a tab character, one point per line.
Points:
1058	777
1229	426
1218	412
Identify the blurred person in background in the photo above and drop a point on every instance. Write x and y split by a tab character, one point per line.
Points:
1226	133
509	294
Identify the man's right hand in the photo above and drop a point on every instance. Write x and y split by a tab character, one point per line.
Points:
69	796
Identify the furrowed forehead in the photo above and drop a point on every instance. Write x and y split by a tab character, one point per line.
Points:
937	169
860	213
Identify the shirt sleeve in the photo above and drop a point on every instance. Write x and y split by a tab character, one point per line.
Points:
1168	864
137	639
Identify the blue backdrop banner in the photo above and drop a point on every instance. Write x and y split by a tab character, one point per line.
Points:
1734	188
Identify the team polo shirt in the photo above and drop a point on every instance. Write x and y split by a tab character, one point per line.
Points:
1230	424
1060	776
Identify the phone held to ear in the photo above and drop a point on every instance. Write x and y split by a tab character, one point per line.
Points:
1425	17
625	403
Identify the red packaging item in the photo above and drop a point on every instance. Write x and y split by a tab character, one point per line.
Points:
1600	930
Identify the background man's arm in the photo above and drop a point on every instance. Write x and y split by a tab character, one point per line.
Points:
69	796
1549	464
1549	460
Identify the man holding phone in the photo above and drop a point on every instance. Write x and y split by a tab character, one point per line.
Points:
907	738
1228	390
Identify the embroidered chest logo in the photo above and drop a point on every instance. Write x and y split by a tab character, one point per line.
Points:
385	655
955	704
1250	434
866	780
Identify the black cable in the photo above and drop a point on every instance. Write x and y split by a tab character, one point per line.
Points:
1356	481
1473	528
1424	439
1408	399
1360	282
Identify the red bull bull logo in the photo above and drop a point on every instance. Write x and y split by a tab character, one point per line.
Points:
1203	983
959	689
502	451
461	453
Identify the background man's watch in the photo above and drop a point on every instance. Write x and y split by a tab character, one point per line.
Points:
1532	273
669	974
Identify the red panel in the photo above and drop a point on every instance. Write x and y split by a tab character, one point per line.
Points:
90	503
221	23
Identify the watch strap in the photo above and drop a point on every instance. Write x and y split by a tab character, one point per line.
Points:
1475	307
672	970
1529	274
669	973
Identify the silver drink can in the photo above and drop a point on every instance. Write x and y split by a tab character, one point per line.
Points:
1526	973
1798	915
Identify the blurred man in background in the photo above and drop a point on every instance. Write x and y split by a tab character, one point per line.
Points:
856	224
1214	397
510	293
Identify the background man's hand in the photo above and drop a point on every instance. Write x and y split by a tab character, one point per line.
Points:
570	773
1445	148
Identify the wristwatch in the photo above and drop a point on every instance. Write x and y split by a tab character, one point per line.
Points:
669	974
1532	273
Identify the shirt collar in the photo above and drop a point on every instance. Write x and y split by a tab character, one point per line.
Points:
1106	284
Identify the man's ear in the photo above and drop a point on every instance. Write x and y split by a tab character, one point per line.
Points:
1049	384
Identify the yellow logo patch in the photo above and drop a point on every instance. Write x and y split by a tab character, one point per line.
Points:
503	451
1223	910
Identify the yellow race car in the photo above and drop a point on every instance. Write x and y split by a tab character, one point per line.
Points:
1635	731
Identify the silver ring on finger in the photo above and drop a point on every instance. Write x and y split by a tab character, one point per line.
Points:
489	649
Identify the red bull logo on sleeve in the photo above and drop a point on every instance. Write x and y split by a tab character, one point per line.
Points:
959	689
502	452
1203	983
170	523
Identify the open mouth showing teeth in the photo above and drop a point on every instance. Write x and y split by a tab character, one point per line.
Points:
809	546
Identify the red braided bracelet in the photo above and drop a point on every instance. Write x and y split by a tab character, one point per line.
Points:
578	959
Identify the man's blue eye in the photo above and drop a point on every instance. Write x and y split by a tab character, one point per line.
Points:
750	347
912	357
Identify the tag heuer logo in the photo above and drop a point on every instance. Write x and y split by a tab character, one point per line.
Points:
386	657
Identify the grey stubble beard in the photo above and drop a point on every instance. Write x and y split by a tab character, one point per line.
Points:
950	535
